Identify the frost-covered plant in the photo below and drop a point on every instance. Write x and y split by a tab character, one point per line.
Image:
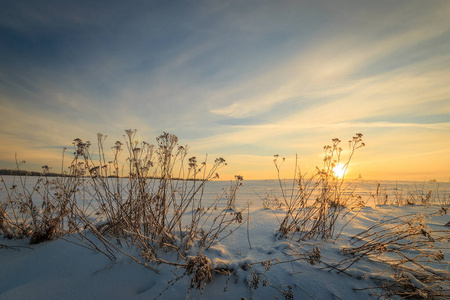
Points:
412	251
419	195
159	204
313	205
151	201
271	201
39	212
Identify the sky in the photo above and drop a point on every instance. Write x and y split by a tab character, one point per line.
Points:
242	80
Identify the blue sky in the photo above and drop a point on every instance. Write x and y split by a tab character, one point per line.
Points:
243	80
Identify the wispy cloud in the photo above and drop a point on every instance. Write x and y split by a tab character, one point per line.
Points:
339	64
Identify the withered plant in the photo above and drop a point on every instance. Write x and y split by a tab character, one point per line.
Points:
150	201
159	204
419	195
408	247
313	204
39	211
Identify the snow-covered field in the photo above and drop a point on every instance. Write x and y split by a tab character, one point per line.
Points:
259	264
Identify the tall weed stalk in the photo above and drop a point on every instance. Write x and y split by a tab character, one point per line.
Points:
312	205
151	200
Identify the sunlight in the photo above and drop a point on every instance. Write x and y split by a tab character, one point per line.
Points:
340	170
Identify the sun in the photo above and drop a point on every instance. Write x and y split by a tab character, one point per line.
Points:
339	170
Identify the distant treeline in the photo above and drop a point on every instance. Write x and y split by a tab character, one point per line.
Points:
34	173
26	173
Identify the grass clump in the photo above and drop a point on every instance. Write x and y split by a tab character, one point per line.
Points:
312	205
39	212
151	201
411	250
424	194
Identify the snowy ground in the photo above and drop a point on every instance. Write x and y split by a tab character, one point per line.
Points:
62	270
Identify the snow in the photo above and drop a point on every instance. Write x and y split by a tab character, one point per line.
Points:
61	269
